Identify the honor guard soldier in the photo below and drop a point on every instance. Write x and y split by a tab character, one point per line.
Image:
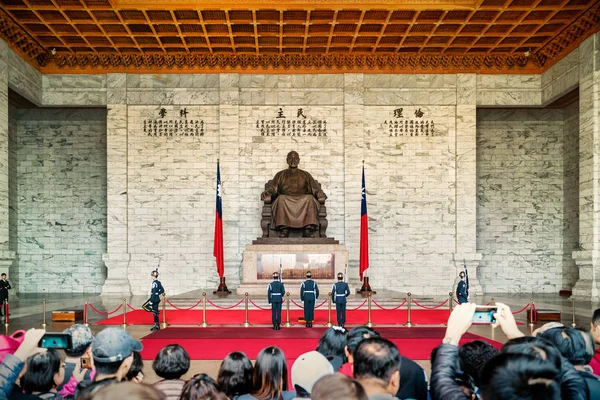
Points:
4	286
155	292
275	295
462	290
339	292
309	293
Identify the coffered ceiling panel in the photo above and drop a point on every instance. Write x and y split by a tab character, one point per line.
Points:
90	36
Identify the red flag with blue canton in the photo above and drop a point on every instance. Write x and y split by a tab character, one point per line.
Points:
218	249
364	230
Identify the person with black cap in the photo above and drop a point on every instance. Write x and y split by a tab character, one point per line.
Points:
112	351
275	294
155	292
309	293
339	292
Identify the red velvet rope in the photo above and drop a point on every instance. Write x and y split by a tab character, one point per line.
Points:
456	301
324	301
259	307
6	313
225	308
105	313
430	308
362	304
131	308
183	309
297	305
522	309
390	309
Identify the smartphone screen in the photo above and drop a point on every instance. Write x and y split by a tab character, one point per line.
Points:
56	341
485	315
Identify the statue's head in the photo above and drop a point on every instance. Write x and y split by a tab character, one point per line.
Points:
293	159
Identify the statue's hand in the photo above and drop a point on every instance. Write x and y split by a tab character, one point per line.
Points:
266	196
321	197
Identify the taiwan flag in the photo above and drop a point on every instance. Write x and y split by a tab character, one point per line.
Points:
364	229
218	250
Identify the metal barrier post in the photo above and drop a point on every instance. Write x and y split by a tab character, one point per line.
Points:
287	311
204	324
573	324
369	322
44	313
328	324
124	325
531	324
246	323
409	323
6	316
164	310
450	301
493	301
85	312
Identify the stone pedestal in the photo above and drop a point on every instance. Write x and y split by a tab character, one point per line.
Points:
116	283
254	286
586	288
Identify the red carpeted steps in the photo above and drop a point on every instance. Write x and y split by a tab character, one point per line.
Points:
216	343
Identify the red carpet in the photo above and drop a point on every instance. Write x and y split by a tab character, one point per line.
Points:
216	343
236	317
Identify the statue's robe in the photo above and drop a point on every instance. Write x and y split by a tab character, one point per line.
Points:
296	204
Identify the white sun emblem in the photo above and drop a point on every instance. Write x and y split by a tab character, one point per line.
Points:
219	190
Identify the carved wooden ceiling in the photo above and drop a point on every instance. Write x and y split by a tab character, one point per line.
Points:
321	35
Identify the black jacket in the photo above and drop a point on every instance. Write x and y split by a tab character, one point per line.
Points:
443	375
4	286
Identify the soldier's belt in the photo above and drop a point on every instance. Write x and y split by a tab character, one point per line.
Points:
275	294
343	294
309	291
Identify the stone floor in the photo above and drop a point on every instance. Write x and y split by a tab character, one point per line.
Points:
27	312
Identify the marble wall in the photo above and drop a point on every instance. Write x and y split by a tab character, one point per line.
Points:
523	217
570	193
59	201
422	196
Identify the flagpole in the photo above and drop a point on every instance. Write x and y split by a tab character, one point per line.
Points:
218	250
363	263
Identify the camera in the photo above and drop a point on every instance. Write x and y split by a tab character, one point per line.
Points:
56	341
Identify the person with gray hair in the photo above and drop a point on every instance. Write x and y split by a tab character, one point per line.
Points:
81	337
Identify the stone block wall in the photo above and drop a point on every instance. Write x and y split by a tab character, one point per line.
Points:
59	201
520	210
171	199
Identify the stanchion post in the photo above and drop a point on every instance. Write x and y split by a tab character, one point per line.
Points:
531	312
287	310
450	301
164	310
246	322
204	324
328	324
86	307
6	315
493	301
573	324
409	323
124	325
44	313
369	322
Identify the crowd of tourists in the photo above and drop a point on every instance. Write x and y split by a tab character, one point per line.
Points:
557	362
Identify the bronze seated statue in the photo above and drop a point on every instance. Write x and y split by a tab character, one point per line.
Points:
294	204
